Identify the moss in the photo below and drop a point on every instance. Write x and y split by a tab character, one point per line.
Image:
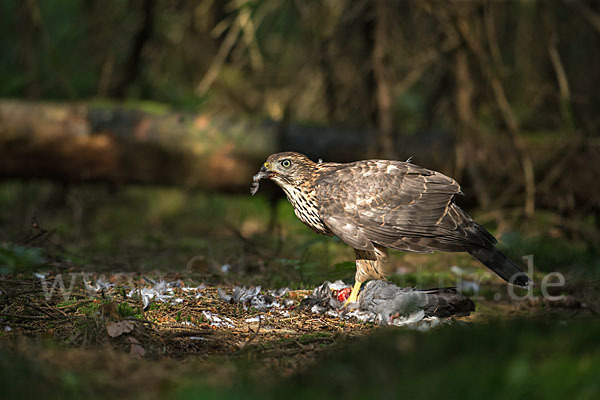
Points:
66	303
89	309
125	310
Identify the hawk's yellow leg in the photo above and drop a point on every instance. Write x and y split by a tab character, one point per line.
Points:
353	298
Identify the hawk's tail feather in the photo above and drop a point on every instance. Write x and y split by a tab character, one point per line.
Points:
504	267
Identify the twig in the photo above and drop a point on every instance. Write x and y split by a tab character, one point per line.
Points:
24	292
186	333
23	316
586	12
141	302
45	312
506	111
559	70
17	281
59	66
492	38
220	57
76	305
554	174
24	326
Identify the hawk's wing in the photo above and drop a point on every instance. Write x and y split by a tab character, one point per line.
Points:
394	204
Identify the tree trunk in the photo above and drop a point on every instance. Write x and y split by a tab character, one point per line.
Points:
132	66
382	74
467	131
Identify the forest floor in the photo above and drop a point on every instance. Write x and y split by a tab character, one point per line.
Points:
81	323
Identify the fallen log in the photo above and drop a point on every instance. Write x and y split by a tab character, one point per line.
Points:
92	142
95	143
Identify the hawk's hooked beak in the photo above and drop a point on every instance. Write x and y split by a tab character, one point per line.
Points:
264	173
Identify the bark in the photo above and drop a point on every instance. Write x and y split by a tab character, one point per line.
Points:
28	36
328	80
507	113
132	66
383	80
467	131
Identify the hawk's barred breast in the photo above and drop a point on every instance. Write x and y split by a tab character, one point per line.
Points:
306	208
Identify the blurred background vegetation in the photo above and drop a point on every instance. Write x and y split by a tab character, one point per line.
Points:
195	94
130	129
430	65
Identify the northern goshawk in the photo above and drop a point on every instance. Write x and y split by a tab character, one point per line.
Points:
373	205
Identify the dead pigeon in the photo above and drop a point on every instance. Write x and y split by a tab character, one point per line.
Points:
386	303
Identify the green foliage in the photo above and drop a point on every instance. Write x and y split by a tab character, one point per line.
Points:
15	259
66	303
425	280
550	253
89	309
320	51
21	377
93	309
515	359
125	310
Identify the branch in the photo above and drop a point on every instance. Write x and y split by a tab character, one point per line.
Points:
506	111
559	70
586	12
132	65
220	57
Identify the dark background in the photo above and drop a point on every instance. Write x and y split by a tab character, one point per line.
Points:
130	130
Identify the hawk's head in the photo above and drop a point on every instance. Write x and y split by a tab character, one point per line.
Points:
286	169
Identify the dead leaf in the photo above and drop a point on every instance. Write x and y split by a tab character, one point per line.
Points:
133	340
137	351
115	329
127	326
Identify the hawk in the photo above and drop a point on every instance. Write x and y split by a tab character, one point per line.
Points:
373	205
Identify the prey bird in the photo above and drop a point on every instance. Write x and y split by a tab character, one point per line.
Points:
373	205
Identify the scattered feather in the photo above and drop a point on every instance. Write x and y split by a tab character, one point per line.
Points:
254	187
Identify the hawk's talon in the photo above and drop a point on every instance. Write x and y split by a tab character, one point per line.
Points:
353	298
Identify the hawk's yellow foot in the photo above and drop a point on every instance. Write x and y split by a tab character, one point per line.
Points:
353	298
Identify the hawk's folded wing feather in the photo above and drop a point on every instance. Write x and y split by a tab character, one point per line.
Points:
394	204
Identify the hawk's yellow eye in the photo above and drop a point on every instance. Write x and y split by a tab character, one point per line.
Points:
286	163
